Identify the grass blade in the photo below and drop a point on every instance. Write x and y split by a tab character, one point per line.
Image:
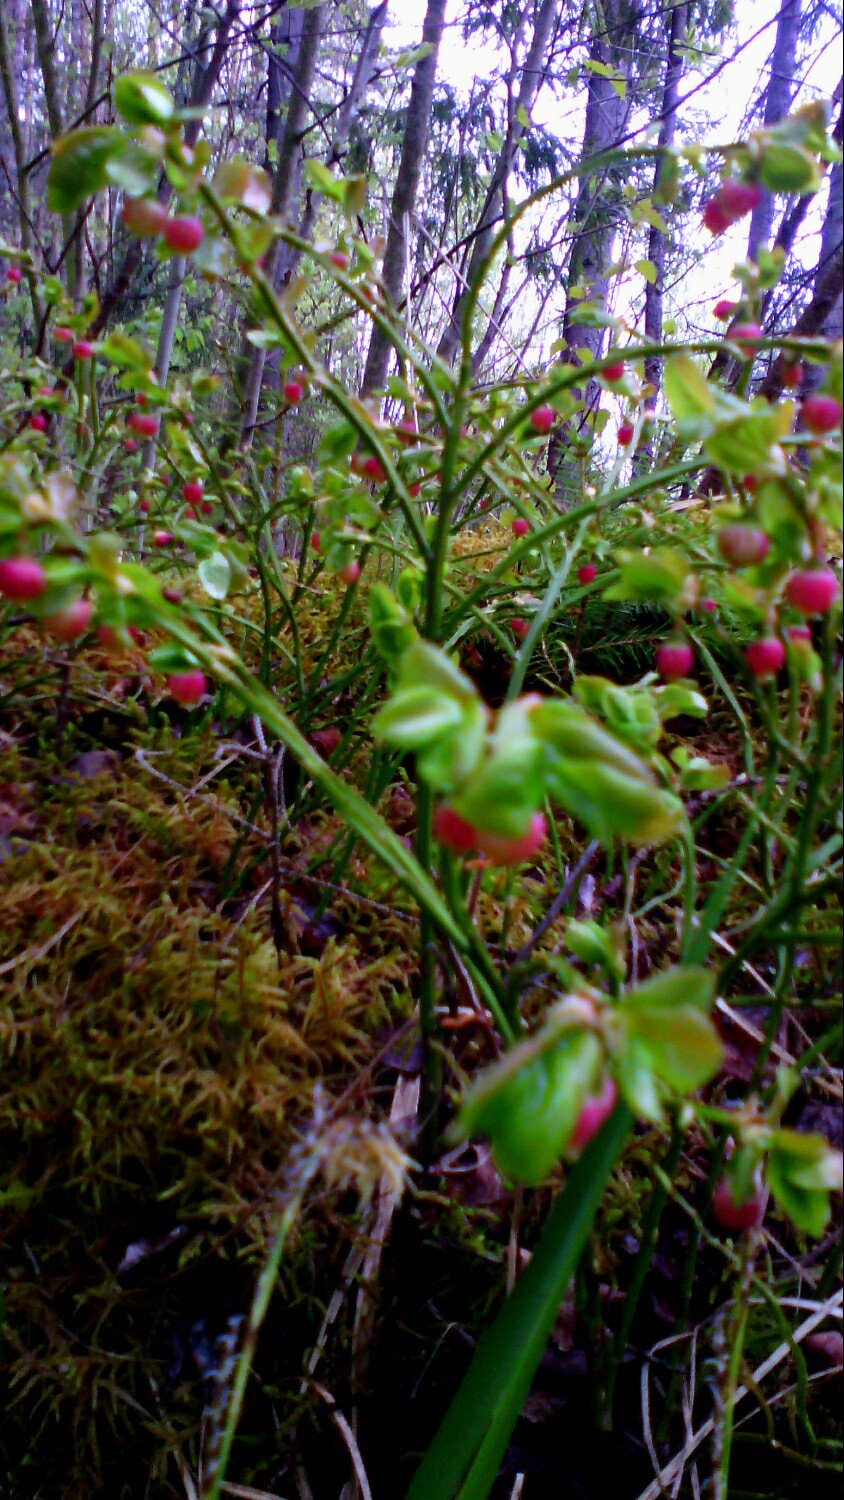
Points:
465	1456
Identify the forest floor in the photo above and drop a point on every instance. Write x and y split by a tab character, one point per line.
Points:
198	981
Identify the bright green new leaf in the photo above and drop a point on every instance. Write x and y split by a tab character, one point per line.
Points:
414	717
215	575
687	391
527	1104
140	99
322	178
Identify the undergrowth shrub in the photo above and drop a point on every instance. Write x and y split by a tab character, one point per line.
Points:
400	764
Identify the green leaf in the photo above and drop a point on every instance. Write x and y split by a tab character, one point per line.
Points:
681	1044
215	575
464	1458
322	178
658	575
140	99
612	805
414	717
789	169
427	664
640	1088
354	196
133	169
390	625
687	985
527	1104
127	354
666	1021
687	390
78	167
457	756
237	181
647	269
748	445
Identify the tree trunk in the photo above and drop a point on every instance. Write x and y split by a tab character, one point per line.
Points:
777	104
592	225
655	290
24	200
414	144
832	237
533	74
283	182
45	48
364	69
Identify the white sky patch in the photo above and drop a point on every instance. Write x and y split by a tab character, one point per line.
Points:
716	112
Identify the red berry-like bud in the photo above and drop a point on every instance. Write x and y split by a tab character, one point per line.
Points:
542	419
674	659
791	376
38	422
593	1113
82	349
743	546
293	392
740	198
765	657
799	635
162	538
587	573
374	469
144	217
183	234
519	628
143	423
143	507
192	492
745	335
325	740
316	541
614	371
173	596
625	434
521	527
190	513
339	258
414	489
454	831
21	579
732	1215
187	687
206	507
13	275
70	623
504	851
709	605
715	216
724	310
350	571
812	591
130	445
820	414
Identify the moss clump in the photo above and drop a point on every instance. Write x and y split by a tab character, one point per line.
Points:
158	1057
